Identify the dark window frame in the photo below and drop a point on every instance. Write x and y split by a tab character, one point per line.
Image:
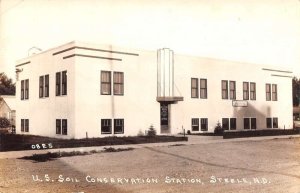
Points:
64	83
253	124
118	84
232	124
104	82
41	86
269	122
64	126
26	127
232	90
274	93
195	124
119	124
58	83
109	126
246	91
204	124
224	89
268	92
203	88
46	92
225	126
22	89
58	126
275	122
22	125
247	123
195	88
26	89
252	91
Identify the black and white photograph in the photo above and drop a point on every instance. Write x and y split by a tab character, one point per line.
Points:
148	96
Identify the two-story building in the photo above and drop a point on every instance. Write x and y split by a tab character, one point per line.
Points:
82	90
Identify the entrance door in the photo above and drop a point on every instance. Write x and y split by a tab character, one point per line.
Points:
164	117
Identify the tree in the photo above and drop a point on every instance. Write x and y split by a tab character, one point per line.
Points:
296	91
7	87
4	122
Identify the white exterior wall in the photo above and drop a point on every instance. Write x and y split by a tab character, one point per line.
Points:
84	106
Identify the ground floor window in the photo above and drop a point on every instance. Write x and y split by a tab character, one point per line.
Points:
62	126
24	125
105	126
195	124
118	126
232	123
225	123
204	124
249	123
272	122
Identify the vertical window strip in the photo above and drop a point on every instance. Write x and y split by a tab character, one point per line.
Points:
194	88
203	88
252	91
268	92
118	126
232	90
225	123
253	123
275	122
195	124
274	92
22	89
26	125
105	82
41	86
46	86
22	125
269	122
58	126
118	83
232	123
64	83
27	89
246	123
245	90
58	82
204	124
64	127
224	89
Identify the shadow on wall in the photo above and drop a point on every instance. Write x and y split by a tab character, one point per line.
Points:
251	112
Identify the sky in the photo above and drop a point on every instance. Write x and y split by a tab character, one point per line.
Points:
256	31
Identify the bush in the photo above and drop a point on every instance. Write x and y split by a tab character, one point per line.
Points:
4	122
188	132
151	131
218	129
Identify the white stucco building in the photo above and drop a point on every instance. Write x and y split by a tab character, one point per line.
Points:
78	90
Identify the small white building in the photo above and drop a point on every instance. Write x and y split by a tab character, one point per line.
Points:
78	90
8	108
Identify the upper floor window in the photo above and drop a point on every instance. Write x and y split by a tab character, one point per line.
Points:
271	92
105	82
232	89
252	91
245	90
203	88
61	83
194	87
44	86
118	83
224	89
25	89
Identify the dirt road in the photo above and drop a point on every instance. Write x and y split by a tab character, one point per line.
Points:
244	166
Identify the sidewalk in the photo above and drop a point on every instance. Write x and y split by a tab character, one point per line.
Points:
192	140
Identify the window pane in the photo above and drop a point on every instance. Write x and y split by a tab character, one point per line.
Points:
105	126
58	126
268	92
246	123
225	123
64	126
47	86
204	123
41	87
232	90
22	89
275	122
26	125
22	125
194	88
118	83
274	92
27	89
203	88
57	87
64	83
246	90
232	123
224	89
195	124
105	82
253	123
269	122
118	126
252	91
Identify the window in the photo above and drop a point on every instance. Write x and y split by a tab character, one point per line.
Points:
118	83
274	92
232	89
268	92
246	90
204	123
225	123
232	123
41	87
203	88
195	124
105	126
224	89
275	122
269	122
194	87
118	126
62	126
44	86
64	83
58	126
252	91
105	82
246	123
24	125
22	89
26	89
57	85
253	123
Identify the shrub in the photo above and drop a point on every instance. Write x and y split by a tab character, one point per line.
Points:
151	131
4	122
218	129
188	132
